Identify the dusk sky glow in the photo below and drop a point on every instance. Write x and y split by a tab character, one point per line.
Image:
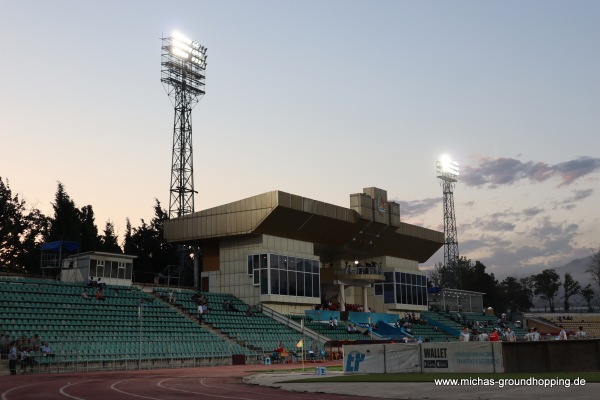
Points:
320	99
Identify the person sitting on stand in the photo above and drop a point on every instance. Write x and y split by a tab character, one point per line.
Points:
46	350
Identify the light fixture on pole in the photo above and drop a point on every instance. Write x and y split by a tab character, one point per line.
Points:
447	173
183	65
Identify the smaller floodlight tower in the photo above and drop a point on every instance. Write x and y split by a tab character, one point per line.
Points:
447	173
183	63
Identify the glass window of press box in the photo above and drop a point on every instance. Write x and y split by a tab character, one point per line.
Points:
403	288
285	275
110	269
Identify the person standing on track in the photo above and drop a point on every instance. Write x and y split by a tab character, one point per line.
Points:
12	358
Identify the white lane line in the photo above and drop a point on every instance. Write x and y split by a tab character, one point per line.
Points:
4	395
113	387
160	384
62	391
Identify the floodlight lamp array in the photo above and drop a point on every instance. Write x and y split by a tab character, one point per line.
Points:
447	169
184	63
187	49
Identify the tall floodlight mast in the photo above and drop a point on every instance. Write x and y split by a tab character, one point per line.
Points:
183	63
447	173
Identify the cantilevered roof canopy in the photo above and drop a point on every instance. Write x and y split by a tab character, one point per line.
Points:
336	231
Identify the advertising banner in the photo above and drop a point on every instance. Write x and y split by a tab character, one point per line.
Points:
402	358
425	357
462	357
364	359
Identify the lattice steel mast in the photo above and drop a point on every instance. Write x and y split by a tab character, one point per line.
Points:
183	64
447	173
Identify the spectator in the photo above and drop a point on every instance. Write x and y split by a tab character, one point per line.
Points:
562	335
509	335
483	337
464	335
91	281
84	294
99	294
200	312
46	350
26	360
4	345
36	342
171	297
581	334
494	337
12	358
335	323
331	323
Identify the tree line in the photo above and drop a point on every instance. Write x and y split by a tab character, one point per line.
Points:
517	294
24	229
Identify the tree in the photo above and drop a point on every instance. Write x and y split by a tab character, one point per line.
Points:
594	266
88	238
435	275
66	223
588	294
153	251
546	285
21	231
128	245
108	241
517	294
473	277
571	287
528	288
70	223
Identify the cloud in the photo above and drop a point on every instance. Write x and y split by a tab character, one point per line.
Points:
415	208
533	211
492	173
578	195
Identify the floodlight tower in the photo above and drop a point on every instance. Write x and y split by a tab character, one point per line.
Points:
447	173
183	64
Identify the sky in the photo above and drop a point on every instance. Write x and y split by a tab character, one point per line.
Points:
320	99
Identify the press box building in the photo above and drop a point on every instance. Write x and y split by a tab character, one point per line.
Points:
291	253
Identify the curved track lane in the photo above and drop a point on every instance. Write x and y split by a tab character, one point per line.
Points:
217	383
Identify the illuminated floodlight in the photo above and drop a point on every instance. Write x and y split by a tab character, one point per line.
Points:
181	37
183	65
447	169
447	172
180	53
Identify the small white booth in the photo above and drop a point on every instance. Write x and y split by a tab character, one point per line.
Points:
113	268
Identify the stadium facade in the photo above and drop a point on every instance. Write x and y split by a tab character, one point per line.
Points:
292	253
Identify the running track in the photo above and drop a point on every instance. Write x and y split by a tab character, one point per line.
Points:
218	383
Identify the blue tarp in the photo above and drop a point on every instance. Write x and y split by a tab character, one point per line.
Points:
61	245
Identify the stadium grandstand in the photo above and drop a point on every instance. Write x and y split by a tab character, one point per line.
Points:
283	278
